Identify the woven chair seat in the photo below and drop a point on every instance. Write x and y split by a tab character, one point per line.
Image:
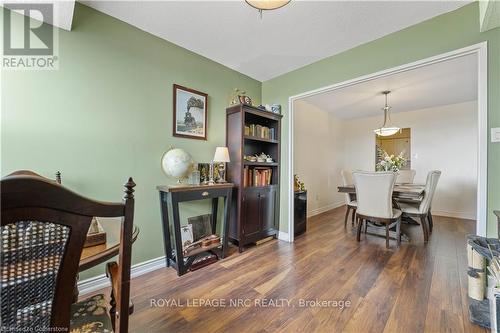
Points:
90	316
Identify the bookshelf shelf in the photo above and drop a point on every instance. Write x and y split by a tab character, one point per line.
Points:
254	138
260	187
260	164
255	212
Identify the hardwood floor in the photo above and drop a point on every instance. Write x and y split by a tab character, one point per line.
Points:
416	288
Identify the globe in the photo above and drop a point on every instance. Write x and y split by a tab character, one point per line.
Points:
177	163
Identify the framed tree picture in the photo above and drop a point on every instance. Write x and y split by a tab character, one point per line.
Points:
190	113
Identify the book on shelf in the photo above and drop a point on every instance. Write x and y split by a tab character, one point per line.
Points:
260	131
256	176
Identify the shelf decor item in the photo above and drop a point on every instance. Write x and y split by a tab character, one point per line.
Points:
245	100
255	170
194	176
96	234
190	113
298	184
235	99
177	163
201	226
276	108
187	236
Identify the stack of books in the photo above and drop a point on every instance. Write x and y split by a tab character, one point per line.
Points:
257	176
260	131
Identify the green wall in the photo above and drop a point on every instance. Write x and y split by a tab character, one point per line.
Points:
106	114
441	34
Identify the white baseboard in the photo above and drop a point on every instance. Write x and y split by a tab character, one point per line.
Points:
101	281
458	215
284	236
326	208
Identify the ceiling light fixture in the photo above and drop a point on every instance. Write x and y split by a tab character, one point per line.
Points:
262	5
386	129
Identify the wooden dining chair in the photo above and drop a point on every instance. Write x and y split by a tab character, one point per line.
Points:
32	173
350	200
423	209
374	198
43	229
405	176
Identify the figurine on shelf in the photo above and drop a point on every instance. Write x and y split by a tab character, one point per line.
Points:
298	185
261	158
235	99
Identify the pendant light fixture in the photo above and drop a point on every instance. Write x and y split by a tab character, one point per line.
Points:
386	129
262	5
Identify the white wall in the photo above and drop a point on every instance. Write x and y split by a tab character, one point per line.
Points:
442	138
318	156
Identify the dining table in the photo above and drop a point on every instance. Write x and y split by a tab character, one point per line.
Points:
97	254
408	193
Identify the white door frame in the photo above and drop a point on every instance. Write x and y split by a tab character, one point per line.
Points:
481	50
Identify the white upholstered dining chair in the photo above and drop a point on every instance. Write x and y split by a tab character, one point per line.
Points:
405	176
423	209
374	201
350	201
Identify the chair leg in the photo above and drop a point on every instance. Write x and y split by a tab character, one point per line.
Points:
358	233
398	231
346	215
431	222
366	226
353	216
387	235
424	228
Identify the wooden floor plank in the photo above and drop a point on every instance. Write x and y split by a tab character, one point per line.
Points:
418	287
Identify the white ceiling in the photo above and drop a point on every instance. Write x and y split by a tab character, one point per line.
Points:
448	82
231	32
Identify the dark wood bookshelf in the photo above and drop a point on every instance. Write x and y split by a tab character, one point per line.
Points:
255	211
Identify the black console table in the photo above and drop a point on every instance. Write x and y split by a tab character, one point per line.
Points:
300	212
170	197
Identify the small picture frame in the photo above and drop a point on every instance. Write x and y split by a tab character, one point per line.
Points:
276	108
186	235
190	113
201	226
204	169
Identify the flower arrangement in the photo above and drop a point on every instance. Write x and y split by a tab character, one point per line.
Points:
389	162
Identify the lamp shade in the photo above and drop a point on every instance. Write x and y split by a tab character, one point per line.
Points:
386	131
221	154
267	4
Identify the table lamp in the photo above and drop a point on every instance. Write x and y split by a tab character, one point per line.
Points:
221	157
